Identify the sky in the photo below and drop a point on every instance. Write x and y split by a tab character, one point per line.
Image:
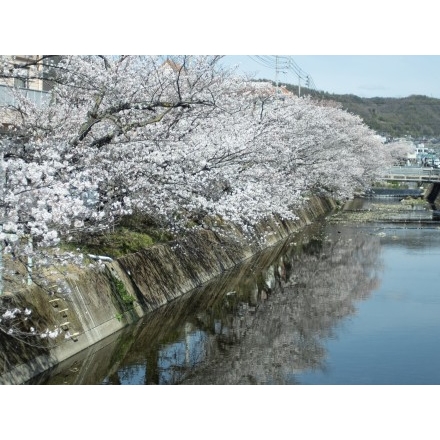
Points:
367	49
367	76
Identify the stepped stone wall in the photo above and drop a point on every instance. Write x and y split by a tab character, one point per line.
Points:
101	302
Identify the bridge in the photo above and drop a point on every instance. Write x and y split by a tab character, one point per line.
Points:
412	174
418	174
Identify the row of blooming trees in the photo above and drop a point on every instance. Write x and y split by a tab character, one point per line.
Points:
179	140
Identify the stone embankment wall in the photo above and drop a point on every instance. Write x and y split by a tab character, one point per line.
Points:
101	302
432	193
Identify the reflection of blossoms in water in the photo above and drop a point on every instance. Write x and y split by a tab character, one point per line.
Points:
269	340
261	323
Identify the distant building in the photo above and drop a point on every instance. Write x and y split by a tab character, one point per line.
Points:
30	72
171	65
31	76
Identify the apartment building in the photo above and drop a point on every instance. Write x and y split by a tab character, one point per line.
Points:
31	72
31	77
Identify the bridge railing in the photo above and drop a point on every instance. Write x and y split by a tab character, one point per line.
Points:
430	171
412	173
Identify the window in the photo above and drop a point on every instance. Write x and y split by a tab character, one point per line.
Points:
22	80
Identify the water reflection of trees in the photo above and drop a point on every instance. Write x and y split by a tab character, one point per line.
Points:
266	323
261	323
298	300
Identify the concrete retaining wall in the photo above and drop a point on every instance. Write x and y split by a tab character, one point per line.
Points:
102	302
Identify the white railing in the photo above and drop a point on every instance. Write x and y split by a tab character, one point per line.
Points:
412	173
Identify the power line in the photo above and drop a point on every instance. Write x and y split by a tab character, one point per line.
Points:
285	64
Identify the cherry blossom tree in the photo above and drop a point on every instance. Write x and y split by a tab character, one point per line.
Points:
181	140
401	150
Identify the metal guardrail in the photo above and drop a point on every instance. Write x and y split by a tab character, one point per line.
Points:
7	98
420	174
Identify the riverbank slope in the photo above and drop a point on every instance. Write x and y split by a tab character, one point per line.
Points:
101	302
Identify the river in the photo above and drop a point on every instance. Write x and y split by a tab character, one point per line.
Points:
353	299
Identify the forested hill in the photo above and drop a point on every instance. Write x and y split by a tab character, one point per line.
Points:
414	115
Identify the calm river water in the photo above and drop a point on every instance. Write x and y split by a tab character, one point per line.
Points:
352	300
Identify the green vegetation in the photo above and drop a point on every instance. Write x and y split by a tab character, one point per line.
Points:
133	233
114	244
122	299
415	115
391	184
125	297
414	201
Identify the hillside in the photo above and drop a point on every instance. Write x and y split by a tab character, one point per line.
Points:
416	116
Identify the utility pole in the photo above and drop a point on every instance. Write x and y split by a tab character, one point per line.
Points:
2	184
276	74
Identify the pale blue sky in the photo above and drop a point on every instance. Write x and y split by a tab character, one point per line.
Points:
361	75
370	49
